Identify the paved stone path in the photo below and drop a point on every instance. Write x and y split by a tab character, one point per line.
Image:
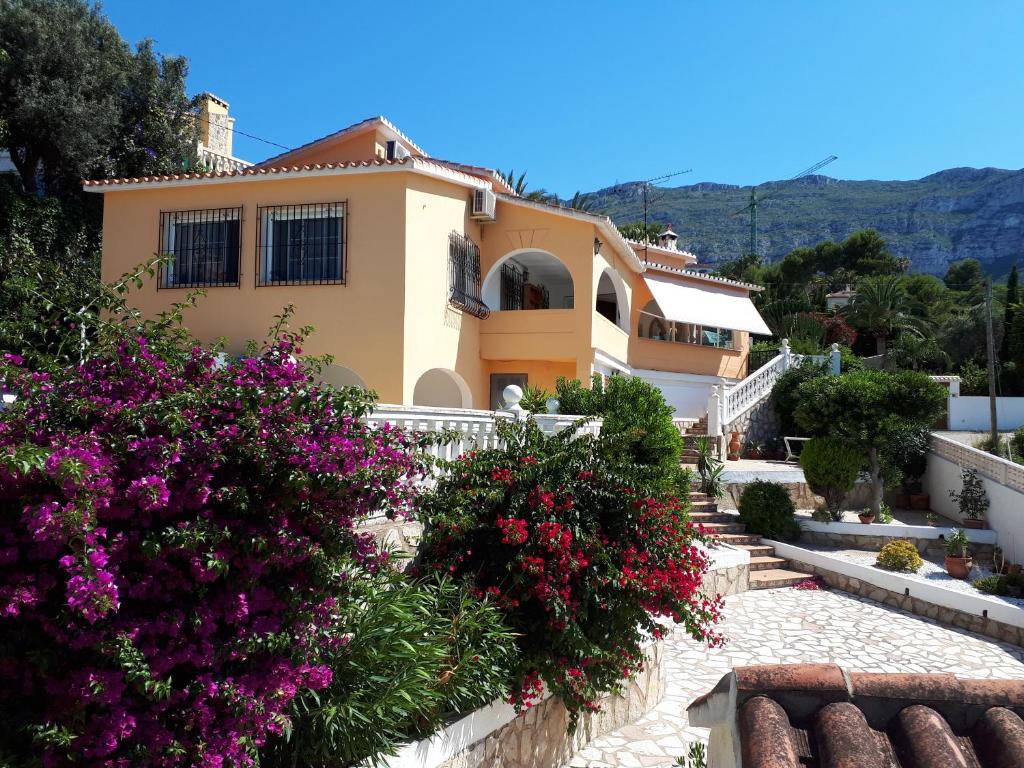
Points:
788	626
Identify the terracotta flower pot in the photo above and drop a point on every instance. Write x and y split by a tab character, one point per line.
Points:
920	501
969	523
754	453
734	447
866	519
959	567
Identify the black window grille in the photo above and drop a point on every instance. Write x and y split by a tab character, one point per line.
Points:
512	281
204	246
301	244
517	292
464	276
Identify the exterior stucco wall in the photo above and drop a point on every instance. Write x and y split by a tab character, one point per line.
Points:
361	323
436	335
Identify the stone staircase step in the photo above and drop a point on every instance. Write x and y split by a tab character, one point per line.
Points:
727	527
737	538
775	578
712	517
766	562
704	505
698	496
757	550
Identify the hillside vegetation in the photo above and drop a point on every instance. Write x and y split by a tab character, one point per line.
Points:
951	215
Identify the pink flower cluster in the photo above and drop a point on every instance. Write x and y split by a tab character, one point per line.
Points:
169	561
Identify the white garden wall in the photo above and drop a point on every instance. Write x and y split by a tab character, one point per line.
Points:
1004	484
971	413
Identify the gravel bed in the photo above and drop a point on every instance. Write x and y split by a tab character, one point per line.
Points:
931	572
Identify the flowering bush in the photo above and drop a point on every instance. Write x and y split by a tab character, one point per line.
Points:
577	555
177	538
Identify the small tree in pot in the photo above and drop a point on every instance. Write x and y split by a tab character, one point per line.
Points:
958	556
972	499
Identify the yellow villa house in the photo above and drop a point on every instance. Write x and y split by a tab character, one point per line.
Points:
429	281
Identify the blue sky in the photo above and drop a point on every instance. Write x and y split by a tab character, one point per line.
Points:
582	95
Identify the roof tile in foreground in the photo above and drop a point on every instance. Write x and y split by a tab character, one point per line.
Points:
799	715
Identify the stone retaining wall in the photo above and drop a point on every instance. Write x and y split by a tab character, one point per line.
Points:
931	548
540	738
727	581
951	616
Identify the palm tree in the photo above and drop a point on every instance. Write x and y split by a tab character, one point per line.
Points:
581	202
880	308
916	352
519	185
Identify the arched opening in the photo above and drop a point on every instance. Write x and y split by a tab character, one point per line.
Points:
442	388
611	299
339	376
528	280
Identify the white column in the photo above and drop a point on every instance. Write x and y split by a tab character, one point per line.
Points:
714	412
835	360
784	351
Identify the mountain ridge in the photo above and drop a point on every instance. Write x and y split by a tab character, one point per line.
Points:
946	216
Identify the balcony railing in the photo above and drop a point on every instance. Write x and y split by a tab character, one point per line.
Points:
215	161
657	328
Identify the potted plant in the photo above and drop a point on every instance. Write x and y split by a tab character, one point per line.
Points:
920	500
932	519
867	516
972	499
958	556
755	452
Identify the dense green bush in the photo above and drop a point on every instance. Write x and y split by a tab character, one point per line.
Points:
576	550
785	397
766	508
831	466
871	409
1017	444
417	653
637	421
535	399
578	400
899	555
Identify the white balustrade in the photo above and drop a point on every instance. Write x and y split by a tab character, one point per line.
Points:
220	163
724	407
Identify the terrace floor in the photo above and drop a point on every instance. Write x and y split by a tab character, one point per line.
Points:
786	626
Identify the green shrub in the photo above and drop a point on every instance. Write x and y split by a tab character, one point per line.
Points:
992	585
636	411
899	555
535	399
1017	444
577	400
885	513
766	508
972	499
785	398
577	552
637	421
831	466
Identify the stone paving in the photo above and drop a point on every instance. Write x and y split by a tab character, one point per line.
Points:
787	626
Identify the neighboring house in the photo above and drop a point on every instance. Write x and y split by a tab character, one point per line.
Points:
216	135
429	281
838	299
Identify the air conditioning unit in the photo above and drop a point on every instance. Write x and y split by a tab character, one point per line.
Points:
484	201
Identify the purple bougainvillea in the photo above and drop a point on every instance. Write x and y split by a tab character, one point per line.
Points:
173	535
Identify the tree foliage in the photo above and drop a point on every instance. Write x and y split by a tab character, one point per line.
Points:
77	102
870	409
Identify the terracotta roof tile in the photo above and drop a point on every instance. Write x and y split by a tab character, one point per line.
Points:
787	716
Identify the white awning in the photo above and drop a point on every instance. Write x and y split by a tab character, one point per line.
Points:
708	305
